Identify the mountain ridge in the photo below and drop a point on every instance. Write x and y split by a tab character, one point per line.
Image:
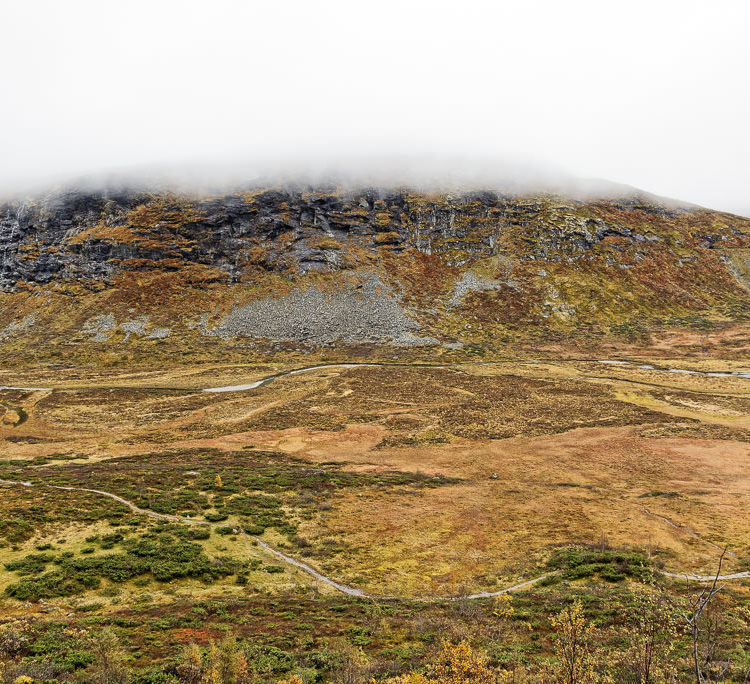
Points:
332	265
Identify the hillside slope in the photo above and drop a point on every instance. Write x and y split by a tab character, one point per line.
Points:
301	268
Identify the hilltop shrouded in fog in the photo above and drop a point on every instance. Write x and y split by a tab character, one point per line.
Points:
427	173
652	97
116	264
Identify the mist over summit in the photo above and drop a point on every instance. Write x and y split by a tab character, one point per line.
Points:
446	256
439	173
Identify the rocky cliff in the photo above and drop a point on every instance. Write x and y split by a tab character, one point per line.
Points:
320	266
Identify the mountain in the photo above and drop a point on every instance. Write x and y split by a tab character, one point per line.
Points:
123	271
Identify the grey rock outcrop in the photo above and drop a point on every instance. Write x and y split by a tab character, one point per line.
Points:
368	312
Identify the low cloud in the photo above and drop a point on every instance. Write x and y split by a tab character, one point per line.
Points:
652	97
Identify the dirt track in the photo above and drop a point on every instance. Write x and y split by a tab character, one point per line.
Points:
345	588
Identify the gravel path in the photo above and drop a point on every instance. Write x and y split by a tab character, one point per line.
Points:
275	376
338	586
344	588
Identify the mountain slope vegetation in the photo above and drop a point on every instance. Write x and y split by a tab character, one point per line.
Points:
331	267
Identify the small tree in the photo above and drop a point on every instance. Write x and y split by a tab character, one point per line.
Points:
218	484
460	664
109	666
502	611
243	669
576	662
225	663
653	633
703	627
190	670
354	667
212	671
411	678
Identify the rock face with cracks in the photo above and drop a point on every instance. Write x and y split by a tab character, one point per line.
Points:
325	265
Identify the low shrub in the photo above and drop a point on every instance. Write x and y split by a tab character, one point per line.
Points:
612	565
165	558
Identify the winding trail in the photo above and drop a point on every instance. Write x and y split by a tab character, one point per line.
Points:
265	381
338	586
26	389
270	378
745	374
687	531
684	371
706	578
354	591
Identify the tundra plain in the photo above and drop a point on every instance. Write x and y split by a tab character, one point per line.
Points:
407	481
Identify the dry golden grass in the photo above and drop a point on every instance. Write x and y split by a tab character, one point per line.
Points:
548	453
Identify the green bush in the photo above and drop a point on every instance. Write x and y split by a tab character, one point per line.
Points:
613	565
265	659
165	558
32	564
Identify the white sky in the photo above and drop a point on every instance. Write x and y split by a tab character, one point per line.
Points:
652	93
